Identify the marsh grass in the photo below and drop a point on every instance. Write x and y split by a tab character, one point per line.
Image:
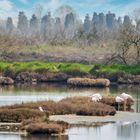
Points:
116	69
70	68
18	115
72	105
44	128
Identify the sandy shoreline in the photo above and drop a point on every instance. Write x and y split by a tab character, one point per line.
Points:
89	120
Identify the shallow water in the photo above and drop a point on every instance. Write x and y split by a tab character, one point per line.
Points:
28	93
118	131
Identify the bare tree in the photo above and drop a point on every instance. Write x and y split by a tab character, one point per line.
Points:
128	45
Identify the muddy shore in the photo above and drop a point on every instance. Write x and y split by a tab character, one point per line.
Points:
89	120
75	120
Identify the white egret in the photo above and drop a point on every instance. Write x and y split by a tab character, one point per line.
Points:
41	109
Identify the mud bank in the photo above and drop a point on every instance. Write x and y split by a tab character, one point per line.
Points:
91	120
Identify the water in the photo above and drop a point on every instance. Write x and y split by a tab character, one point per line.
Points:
107	132
27	93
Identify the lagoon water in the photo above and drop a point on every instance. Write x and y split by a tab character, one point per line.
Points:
10	95
28	93
118	131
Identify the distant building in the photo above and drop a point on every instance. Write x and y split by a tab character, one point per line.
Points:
102	20
95	19
87	24
138	26
127	20
22	23
69	20
110	20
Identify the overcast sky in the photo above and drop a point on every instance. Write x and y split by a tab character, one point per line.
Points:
120	7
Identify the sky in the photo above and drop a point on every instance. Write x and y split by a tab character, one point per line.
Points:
81	7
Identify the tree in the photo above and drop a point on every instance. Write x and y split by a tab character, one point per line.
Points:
128	45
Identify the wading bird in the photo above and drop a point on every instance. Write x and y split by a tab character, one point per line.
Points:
119	100
41	109
96	97
126	96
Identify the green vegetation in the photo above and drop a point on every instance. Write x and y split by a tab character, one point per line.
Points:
36	66
116	69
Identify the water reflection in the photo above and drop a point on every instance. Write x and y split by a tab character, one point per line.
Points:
119	131
41	137
27	93
108	132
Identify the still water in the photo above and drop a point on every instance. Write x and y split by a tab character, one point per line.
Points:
28	93
107	132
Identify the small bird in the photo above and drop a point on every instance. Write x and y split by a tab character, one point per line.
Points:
41	109
96	97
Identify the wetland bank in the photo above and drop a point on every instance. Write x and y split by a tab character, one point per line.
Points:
63	91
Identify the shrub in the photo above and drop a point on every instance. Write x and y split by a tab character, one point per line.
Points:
44	128
84	106
88	82
18	115
95	109
72	105
95	68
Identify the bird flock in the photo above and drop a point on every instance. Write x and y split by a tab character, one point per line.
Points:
119	99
